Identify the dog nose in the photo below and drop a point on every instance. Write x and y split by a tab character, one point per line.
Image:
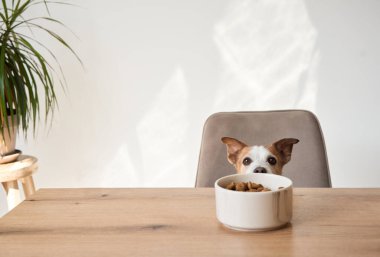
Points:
260	170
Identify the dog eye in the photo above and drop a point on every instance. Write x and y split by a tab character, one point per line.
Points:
272	161
247	161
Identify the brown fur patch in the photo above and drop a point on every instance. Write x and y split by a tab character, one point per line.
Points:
234	147
239	158
277	169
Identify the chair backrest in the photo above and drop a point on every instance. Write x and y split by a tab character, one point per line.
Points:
308	166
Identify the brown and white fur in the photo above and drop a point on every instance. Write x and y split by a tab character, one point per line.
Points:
259	159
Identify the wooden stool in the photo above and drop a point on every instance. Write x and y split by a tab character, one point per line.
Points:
22	169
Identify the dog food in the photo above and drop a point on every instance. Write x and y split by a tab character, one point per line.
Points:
247	187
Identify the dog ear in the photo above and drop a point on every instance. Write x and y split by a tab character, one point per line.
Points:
234	146
284	147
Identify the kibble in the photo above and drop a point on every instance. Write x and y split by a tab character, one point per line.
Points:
247	187
241	186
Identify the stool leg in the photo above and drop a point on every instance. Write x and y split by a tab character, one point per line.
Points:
28	186
13	194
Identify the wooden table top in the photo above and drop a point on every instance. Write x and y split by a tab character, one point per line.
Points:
182	222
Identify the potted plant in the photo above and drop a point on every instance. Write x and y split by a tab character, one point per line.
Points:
27	77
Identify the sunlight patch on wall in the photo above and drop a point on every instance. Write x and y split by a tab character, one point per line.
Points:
269	56
120	171
162	132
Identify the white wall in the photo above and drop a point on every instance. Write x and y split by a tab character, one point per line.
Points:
155	70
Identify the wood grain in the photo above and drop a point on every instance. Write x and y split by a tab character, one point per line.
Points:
21	169
182	222
24	166
28	186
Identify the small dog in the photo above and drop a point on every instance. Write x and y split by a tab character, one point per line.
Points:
259	159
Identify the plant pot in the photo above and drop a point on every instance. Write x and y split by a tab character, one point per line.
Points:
8	138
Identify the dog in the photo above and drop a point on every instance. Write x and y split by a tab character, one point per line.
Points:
259	159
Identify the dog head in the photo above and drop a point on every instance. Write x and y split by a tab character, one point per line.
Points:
259	159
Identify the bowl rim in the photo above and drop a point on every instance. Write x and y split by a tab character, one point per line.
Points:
257	174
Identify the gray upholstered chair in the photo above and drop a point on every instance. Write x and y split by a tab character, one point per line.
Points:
308	166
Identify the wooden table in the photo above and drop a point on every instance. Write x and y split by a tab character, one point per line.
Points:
182	222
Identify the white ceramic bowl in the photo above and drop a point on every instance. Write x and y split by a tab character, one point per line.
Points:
254	210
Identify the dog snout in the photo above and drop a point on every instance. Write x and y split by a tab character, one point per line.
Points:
260	170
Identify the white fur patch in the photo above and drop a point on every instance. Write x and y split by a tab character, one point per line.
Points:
259	156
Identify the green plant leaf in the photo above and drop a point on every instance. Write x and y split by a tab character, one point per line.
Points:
25	72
